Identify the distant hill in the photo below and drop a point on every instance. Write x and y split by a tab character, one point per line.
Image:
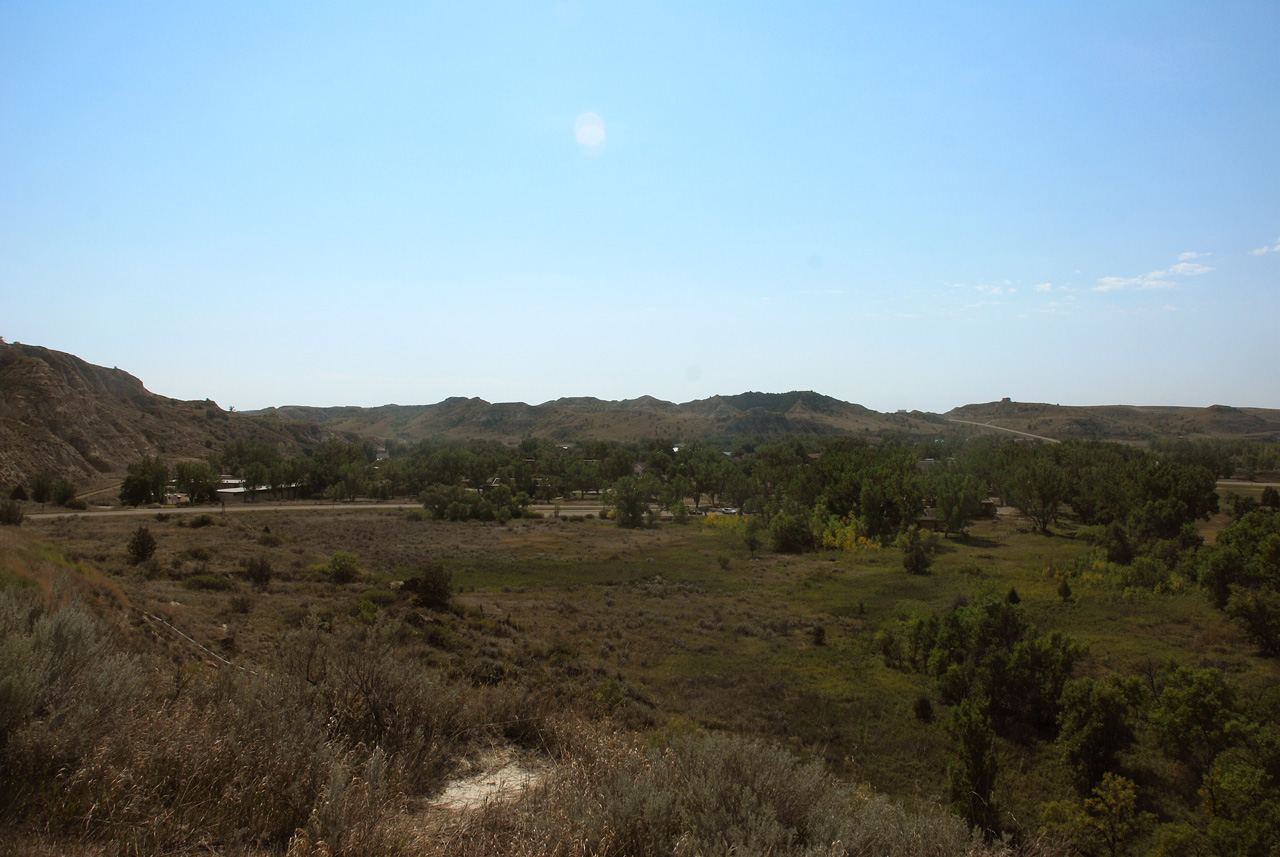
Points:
1124	422
70	418
746	414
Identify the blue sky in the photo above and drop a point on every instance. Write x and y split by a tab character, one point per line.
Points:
901	205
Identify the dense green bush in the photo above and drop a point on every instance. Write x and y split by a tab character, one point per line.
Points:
258	571
431	586
63	492
10	513
987	650
343	567
142	545
41	487
789	534
209	582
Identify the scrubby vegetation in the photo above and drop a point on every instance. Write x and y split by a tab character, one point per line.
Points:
1084	664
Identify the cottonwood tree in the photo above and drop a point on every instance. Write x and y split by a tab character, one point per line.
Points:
630	498
145	482
196	479
958	497
1094	727
1037	486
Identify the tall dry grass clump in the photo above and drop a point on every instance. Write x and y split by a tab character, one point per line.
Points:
308	755
64	689
612	795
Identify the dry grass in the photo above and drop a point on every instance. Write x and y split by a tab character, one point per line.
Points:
581	619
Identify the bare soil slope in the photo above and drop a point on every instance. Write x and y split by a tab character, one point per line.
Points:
1124	422
62	415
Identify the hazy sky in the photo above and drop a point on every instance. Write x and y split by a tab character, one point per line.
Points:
903	205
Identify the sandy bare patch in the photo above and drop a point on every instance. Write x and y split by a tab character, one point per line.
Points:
498	777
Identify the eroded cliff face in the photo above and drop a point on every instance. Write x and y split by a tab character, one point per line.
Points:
70	418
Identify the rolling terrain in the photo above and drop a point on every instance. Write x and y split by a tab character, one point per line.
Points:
1124	422
62	415
746	414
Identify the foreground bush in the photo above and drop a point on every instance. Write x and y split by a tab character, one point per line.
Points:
95	747
10	513
703	794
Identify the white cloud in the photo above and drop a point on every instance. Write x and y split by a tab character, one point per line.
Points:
1044	287
1262	251
1183	257
990	290
1153	280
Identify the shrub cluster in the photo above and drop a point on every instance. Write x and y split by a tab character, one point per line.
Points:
11	513
702	794
95	745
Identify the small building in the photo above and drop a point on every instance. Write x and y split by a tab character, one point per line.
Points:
931	522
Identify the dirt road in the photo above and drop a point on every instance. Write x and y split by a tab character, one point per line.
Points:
1002	428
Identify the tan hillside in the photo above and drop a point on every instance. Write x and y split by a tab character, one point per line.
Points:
71	418
746	414
1124	422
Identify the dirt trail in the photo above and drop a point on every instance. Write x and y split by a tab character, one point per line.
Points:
1002	428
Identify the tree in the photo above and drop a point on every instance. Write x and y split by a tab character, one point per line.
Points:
958	497
142	546
1037	486
1191	715
64	491
751	529
790	534
629	498
1094	727
972	776
10	513
915	556
1242	798
741	490
1106	823
1111	813
145	483
197	480
431	586
41	487
1258	613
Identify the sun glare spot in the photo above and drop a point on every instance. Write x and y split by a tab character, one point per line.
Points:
588	129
